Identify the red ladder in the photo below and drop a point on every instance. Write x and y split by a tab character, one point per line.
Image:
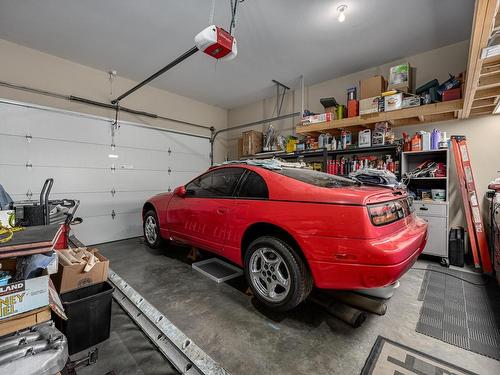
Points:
479	245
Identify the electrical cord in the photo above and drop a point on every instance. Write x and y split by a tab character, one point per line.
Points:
449	274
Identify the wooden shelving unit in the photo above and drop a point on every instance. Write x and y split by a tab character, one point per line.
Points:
482	83
408	116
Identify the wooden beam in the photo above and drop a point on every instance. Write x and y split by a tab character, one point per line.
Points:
488	93
482	111
490	69
484	13
483	102
489	81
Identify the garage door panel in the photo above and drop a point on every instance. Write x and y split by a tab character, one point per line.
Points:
50	153
56	125
74	150
141	159
20	179
122	226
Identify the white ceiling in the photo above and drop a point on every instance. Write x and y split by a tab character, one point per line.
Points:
278	39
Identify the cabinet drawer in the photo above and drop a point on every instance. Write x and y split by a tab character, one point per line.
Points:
430	209
437	236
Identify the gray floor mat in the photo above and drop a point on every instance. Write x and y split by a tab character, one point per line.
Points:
460	313
391	357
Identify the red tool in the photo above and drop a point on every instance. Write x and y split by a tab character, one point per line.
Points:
472	210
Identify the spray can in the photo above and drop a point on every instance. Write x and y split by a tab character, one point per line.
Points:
343	138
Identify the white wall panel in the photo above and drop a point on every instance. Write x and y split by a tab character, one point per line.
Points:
74	150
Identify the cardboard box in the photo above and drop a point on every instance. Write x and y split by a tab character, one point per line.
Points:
73	276
393	102
400	77
252	142
371	87
369	105
22	296
314	119
25	320
411	101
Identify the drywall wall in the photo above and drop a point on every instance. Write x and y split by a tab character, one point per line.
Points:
483	133
426	66
25	66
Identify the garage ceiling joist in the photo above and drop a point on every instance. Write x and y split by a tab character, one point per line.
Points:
482	85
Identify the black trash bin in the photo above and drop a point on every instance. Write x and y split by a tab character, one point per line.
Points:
89	316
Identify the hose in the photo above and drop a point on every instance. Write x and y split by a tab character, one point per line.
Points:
7	233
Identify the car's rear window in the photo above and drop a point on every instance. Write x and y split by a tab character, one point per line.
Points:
316	178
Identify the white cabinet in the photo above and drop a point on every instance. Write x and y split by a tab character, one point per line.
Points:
437	242
436	213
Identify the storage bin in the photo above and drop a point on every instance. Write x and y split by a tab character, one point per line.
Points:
89	316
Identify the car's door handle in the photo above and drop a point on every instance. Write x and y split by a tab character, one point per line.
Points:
221	211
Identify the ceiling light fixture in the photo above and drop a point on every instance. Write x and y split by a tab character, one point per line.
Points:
341	9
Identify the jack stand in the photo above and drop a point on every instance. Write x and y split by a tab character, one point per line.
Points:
193	254
249	292
90	359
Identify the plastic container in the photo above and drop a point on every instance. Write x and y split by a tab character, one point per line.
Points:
435	138
438	195
89	316
4	278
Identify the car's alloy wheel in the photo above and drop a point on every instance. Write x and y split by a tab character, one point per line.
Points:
276	273
270	275
151	230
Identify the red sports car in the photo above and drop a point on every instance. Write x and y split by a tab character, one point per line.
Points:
292	228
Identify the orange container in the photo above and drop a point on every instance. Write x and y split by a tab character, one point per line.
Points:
416	143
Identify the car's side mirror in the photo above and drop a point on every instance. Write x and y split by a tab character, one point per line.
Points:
180	191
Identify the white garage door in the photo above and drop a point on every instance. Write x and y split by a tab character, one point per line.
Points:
76	150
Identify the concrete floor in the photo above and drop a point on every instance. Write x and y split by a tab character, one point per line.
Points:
234	331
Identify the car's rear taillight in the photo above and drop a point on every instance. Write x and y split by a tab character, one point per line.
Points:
389	212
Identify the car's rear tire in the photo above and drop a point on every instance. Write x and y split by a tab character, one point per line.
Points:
277	275
151	230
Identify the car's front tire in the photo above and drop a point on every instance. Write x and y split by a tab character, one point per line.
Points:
151	229
277	275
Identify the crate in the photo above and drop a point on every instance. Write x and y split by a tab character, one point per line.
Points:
252	142
89	316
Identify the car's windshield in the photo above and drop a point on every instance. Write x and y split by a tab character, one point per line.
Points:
316	178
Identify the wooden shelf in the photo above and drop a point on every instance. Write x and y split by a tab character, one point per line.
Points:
408	116
482	83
